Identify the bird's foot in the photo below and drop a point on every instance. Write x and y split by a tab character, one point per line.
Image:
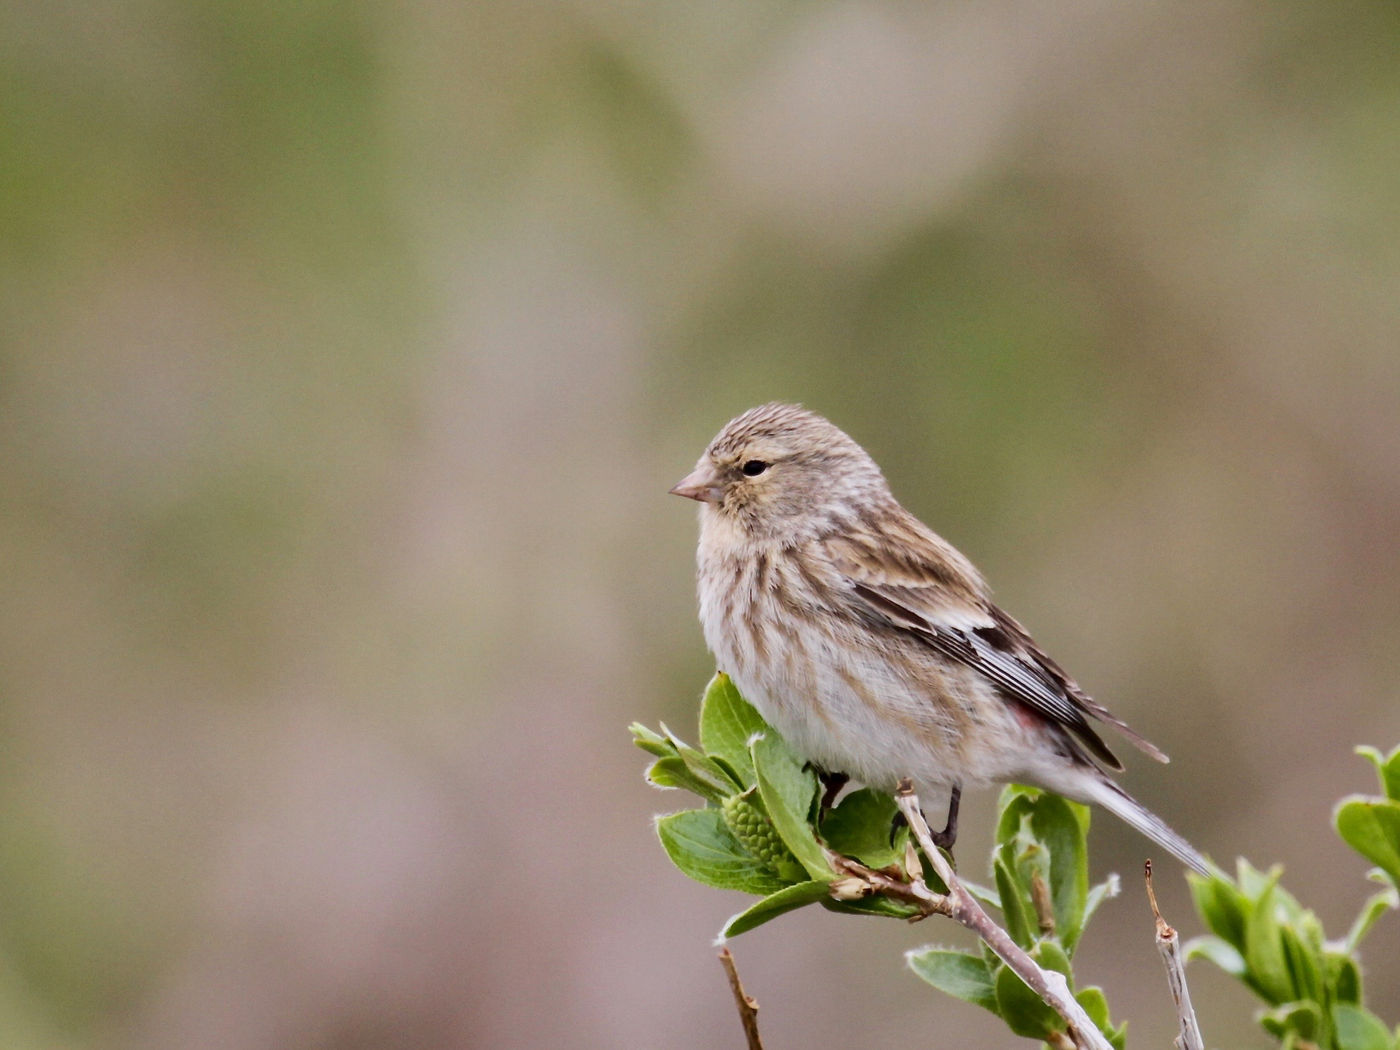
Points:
944	839
832	783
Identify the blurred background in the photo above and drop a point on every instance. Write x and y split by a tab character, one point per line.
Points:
349	351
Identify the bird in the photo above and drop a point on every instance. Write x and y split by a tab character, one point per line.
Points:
871	644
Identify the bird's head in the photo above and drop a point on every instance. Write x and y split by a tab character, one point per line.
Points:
780	472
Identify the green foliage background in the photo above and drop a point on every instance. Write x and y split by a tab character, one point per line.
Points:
347	351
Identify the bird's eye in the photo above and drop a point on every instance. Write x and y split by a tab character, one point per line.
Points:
754	467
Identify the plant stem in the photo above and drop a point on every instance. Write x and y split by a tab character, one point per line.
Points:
868	881
1189	1037
748	1009
1052	987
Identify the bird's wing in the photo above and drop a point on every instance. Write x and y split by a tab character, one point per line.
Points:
943	604
1024	641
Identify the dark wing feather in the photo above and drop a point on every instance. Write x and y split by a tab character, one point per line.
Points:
1071	688
983	649
941	602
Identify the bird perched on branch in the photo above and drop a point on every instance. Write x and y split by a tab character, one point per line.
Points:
869	642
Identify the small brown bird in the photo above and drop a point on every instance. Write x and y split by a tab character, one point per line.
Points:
872	644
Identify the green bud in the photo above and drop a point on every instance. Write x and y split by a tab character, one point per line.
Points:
745	817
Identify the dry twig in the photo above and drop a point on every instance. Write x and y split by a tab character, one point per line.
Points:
859	881
1168	943
748	1009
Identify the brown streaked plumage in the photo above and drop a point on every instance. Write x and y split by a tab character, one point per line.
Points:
869	641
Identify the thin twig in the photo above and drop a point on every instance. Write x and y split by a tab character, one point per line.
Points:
748	1009
1168	943
963	907
860	881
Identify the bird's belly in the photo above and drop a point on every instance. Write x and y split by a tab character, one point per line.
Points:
877	713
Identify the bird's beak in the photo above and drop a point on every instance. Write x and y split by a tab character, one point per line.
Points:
699	485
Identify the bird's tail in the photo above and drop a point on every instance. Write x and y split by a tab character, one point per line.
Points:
1113	798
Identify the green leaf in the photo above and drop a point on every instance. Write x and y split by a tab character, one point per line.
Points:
650	740
1096	1006
1106	890
1343	978
674	773
788	790
1024	1012
1218	951
1301	1018
860	827
1304	964
1292	913
1060	830
727	723
932	879
1049	954
1253	882
1264	952
785	900
734	776
1371	826
1013	804
959	974
1016	907
1359	1029
703	768
1222	907
1387	769
1376	905
880	906
699	843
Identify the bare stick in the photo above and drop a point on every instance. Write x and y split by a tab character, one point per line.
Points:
748	1009
963	907
1189	1037
860	881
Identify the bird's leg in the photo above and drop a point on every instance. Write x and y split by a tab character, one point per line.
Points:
895	825
832	783
944	839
